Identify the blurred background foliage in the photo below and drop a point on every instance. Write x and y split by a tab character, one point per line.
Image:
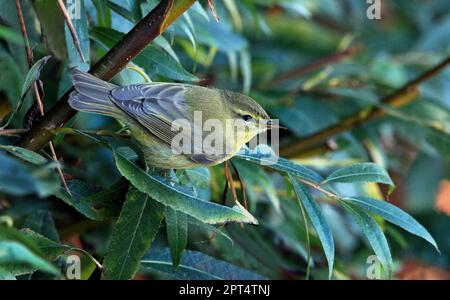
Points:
293	57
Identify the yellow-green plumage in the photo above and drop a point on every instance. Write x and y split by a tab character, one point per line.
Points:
149	111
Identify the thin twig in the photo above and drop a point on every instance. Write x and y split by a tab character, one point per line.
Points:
400	98
73	33
230	180
30	60
244	194
12	132
213	10
325	61
66	130
23	28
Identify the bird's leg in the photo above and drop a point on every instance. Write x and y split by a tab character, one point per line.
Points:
225	192
244	195
230	181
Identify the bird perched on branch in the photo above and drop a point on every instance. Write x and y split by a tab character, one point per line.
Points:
164	118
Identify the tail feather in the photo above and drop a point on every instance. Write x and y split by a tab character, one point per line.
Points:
91	94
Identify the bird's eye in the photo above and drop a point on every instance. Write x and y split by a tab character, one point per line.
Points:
246	117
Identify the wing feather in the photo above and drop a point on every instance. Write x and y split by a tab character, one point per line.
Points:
156	106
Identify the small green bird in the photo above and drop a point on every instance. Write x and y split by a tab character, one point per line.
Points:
152	110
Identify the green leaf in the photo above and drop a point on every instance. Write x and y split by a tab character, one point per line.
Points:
122	11
32	76
12	253
21	179
246	69
42	222
136	227
361	172
395	215
91	201
179	197
195	266
50	248
152	58
209	229
257	178
51	22
318	220
80	25
25	154
374	234
103	13
278	163
6	275
177	233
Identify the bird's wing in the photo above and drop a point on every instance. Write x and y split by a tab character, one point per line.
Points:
156	106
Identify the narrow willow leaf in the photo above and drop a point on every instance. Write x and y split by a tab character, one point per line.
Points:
91	201
395	215
12	253
188	28
308	239
6	275
257	178
42	222
279	164
253	241
127	14
25	154
51	22
164	44
318	220
210	229
103	13
198	9
246	69
136	227
177	233
152	58
179	197
232	61
32	76
361	172
195	266
51	249
374	234
19	178
80	24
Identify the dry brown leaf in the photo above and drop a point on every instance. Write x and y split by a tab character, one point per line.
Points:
443	198
416	270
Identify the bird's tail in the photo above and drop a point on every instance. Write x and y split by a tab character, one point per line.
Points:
91	94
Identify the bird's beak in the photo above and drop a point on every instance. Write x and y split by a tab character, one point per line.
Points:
270	125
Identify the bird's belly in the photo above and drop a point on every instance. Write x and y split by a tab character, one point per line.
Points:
162	156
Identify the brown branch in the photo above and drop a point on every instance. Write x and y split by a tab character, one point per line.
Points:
403	96
73	33
12	132
107	67
324	61
23	28
213	10
36	89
